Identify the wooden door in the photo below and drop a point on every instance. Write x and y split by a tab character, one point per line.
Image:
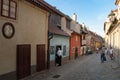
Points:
23	61
40	57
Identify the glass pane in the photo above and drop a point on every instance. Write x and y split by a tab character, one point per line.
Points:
6	2
12	4
5	13
12	15
12	10
5	7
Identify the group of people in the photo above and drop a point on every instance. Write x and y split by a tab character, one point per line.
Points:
104	52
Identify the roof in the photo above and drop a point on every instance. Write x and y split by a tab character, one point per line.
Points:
117	1
56	30
116	10
68	18
39	4
83	32
50	7
44	5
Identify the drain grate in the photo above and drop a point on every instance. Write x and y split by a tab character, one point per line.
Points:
56	76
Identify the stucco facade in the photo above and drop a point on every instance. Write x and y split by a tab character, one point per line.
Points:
31	26
112	34
75	45
75	39
112	40
59	40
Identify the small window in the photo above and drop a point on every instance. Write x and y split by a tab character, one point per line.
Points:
52	49
8	8
83	37
76	38
73	49
64	50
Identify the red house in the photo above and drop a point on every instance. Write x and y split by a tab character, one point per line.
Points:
75	39
75	45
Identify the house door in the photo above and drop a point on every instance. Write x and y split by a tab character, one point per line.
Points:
58	46
56	59
23	61
40	57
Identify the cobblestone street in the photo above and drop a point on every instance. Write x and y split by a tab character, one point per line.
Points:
85	68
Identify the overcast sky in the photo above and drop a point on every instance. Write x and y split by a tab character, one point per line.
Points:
92	12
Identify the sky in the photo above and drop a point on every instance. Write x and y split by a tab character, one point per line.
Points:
91	12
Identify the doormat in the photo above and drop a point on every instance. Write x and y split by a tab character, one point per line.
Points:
56	76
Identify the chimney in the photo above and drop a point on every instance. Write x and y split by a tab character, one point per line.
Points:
75	17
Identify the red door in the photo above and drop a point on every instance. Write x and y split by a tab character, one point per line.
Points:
40	57
23	61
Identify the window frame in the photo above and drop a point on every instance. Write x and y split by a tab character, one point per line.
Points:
9	9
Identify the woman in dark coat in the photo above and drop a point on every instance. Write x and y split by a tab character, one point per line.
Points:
56	59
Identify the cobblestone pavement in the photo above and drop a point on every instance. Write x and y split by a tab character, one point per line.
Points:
85	68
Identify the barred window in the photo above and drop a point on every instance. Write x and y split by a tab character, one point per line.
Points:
8	8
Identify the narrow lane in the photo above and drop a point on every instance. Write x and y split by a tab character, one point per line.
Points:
85	68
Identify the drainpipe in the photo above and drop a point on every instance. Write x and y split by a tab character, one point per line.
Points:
50	36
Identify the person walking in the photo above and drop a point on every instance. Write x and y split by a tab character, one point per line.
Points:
102	55
111	53
106	51
59	53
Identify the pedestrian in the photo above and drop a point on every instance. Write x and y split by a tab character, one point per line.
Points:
102	55
106	50
97	50
56	59
76	52
59	53
111	53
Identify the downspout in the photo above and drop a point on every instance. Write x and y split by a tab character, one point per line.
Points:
50	36
48	53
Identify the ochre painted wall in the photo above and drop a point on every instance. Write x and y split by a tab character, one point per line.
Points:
31	27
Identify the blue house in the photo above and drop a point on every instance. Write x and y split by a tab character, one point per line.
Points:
60	40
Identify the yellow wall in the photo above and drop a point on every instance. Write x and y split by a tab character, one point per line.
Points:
98	44
31	27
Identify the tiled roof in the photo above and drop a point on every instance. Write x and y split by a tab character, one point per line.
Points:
46	6
50	7
56	30
39	4
115	10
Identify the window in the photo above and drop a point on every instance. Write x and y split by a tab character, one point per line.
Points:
52	49
73	49
83	37
76	38
68	24
64	50
8	30
8	8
